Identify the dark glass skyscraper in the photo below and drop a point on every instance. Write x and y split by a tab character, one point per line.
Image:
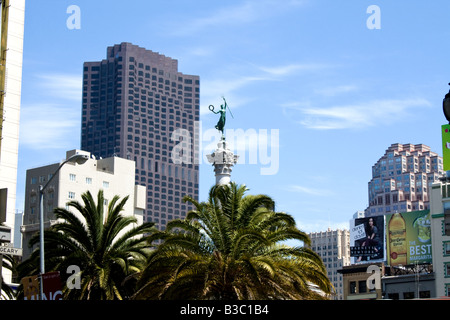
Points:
135	104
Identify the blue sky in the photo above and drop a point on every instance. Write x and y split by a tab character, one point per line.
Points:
336	92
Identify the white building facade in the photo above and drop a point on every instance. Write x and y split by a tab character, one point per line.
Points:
11	53
440	235
114	175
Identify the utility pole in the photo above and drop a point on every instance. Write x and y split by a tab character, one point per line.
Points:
3	50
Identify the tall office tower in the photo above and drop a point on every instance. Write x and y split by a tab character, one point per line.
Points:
136	105
401	179
333	246
11	55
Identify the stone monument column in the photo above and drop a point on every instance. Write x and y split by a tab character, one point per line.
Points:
223	159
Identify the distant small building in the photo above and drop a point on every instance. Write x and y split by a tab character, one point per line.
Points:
114	175
356	278
333	246
414	282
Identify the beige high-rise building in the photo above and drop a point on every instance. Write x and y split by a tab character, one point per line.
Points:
114	175
333	246
401	179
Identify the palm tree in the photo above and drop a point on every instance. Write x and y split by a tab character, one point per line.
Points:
231	247
8	262
107	249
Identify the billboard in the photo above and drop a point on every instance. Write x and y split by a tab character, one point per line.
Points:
367	240
52	286
30	287
52	289
408	238
446	146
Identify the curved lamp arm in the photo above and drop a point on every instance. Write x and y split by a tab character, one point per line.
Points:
76	158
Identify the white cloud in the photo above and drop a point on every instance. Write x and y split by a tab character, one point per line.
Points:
245	13
333	91
366	114
63	86
55	124
309	190
288	69
213	90
49	126
201	51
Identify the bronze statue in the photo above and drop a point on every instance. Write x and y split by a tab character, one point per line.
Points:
223	110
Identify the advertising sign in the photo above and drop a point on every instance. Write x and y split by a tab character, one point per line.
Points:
30	288
408	238
367	239
52	286
446	146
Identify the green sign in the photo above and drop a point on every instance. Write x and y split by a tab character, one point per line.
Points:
415	239
446	146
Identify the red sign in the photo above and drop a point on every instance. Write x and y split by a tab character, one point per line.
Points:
52	286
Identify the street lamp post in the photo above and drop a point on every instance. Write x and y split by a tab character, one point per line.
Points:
76	158
446	106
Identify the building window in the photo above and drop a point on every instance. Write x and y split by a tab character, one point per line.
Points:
105	184
362	286
33	180
352	287
71	195
393	296
447	269
408	295
72	177
446	246
88	180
